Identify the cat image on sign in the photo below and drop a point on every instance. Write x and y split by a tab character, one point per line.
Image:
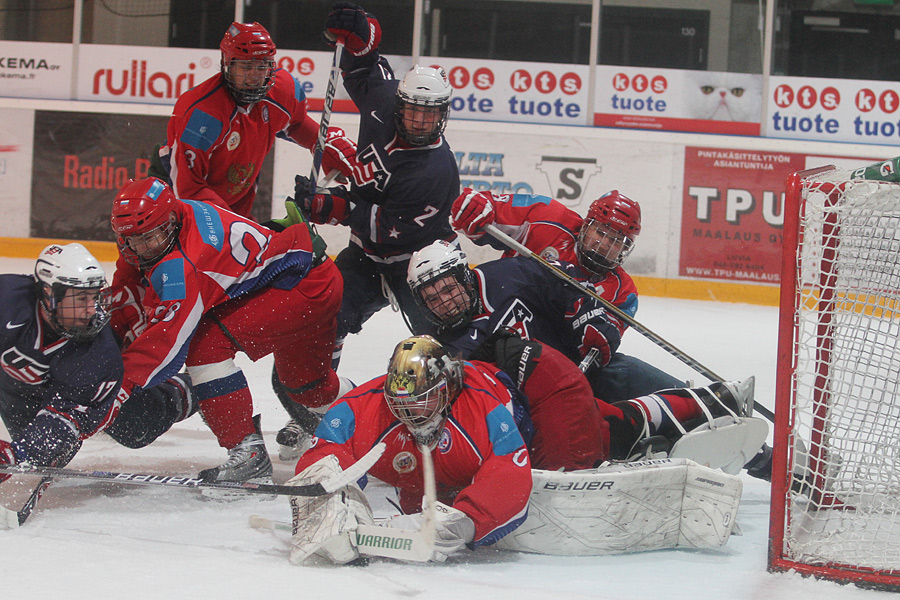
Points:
717	96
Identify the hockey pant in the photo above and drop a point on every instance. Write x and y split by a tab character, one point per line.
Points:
364	295
297	325
569	430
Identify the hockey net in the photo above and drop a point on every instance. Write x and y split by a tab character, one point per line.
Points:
836	469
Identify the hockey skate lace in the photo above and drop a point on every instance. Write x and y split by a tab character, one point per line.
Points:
240	454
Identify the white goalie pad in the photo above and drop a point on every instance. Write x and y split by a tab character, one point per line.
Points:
727	443
628	507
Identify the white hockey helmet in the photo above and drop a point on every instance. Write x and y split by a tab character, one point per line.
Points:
422	383
60	268
443	284
423	105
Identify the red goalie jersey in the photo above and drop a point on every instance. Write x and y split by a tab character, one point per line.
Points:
481	462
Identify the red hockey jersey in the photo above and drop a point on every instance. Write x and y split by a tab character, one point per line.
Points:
219	255
217	147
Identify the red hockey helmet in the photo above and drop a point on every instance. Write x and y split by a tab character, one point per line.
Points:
607	235
248	61
145	221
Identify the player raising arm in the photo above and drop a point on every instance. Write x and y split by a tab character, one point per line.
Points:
404	179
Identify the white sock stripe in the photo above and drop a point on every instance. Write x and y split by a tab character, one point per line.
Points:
702	405
205	373
664	407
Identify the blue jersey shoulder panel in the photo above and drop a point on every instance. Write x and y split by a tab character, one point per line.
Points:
202	130
338	424
168	280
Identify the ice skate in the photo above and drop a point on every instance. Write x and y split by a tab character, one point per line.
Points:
248	462
736	396
292	441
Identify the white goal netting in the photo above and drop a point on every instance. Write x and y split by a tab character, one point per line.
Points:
843	506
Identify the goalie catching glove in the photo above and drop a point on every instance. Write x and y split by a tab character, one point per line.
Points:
325	526
453	529
352	26
471	211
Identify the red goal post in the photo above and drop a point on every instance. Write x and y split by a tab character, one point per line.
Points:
835	504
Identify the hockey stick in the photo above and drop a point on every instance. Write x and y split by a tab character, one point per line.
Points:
650	335
10	519
330	92
351	474
416	545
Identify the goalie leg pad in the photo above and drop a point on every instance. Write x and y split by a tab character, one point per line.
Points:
325	526
650	505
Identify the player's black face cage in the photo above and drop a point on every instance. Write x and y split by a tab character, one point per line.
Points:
246	92
420	123
457	305
66	315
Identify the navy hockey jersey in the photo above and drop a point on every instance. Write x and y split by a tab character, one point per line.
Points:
518	293
402	194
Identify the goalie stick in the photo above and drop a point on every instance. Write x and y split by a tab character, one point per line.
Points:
416	545
637	326
351	474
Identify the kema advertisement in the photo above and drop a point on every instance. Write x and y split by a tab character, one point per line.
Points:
675	100
839	110
35	70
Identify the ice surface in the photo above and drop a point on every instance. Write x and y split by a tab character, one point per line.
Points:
98	540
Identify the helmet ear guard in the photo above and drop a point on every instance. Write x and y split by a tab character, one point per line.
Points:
61	268
423	96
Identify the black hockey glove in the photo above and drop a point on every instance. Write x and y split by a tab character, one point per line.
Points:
509	352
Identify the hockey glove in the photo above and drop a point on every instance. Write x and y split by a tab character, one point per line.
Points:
594	338
339	153
355	28
330	206
513	355
471	212
453	529
128	317
325	525
7	457
296	216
